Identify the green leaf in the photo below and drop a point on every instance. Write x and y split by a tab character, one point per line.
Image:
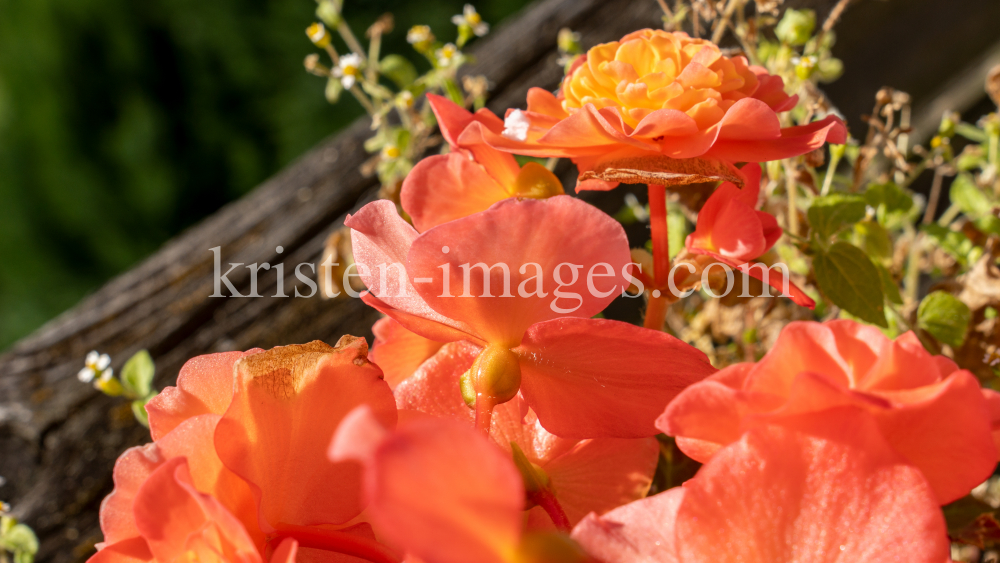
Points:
20	540
874	239
829	214
137	375
975	203
398	69
952	242
890	195
945	317
889	287
849	278
968	197
139	409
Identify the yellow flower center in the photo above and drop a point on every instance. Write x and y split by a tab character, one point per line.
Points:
473	19
651	69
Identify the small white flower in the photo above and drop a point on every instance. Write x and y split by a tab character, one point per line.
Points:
419	34
445	55
516	126
348	69
471	18
405	99
390	152
95	365
4	507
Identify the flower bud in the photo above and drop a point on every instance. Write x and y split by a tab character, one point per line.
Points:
318	35
496	374
329	12
948	122
569	41
796	26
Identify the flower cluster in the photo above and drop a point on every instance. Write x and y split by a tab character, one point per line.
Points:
500	418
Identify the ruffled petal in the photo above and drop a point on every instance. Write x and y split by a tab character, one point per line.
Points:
288	402
204	386
132	550
590	378
398	351
945	430
443	188
178	522
192	440
601	474
381	240
529	252
440	491
794	141
542	101
427	328
837	494
640	532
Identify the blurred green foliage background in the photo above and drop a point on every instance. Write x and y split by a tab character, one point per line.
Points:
122	122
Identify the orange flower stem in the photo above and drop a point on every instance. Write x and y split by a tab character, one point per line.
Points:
659	233
484	413
656	309
550	504
338	542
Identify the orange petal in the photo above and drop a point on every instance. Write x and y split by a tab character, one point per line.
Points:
439	490
179	522
601	474
381	240
204	386
192	440
936	425
398	351
839	494
794	141
749	120
640	532
525	242
132	550
446	187
903	363
427	328
590	378
288	402
542	101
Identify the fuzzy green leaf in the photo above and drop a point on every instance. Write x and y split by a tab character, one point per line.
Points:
890	195
398	69
889	287
874	239
944	317
829	214
137	374
848	277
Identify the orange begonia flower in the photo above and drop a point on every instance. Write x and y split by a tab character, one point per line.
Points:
835	494
435	488
659	108
246	434
585	378
731	230
471	178
586	476
931	413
